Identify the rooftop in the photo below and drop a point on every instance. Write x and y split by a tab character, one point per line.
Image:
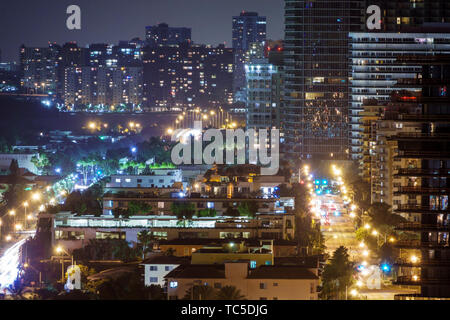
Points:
163	259
282	272
198	271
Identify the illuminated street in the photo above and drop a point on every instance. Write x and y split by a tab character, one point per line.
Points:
9	264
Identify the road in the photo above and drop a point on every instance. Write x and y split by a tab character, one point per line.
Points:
9	264
341	232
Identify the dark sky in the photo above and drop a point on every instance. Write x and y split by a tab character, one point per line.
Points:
35	22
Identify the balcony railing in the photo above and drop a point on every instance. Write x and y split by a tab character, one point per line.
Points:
408	280
422	190
419	226
419	171
411	280
408	243
421	244
422	135
419	208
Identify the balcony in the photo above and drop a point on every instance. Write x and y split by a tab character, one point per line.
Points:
422	263
416	244
420	209
421	190
417	281
418	172
422	154
417	226
407	280
420	135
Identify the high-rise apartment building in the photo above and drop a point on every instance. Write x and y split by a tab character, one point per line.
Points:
375	70
424	171
404	15
264	78
316	76
103	86
248	28
188	76
162	34
39	69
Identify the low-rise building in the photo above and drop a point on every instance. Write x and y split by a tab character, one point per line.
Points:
24	160
74	231
158	266
186	247
159	179
263	283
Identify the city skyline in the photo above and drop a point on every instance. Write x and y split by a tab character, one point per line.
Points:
26	24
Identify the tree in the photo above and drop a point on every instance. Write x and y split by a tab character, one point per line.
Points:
232	212
337	276
207	213
248	208
230	293
381	216
155	292
309	235
200	293
145	238
42	162
136	208
183	210
120	213
170	252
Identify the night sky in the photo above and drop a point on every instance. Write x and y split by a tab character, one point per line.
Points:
36	22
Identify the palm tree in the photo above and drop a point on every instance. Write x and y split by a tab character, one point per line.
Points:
197	292
230	293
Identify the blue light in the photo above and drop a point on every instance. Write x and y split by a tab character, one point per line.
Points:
385	267
58	170
317	182
133	149
324	182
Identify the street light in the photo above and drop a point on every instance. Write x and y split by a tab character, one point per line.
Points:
25	206
60	250
36	196
13	214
